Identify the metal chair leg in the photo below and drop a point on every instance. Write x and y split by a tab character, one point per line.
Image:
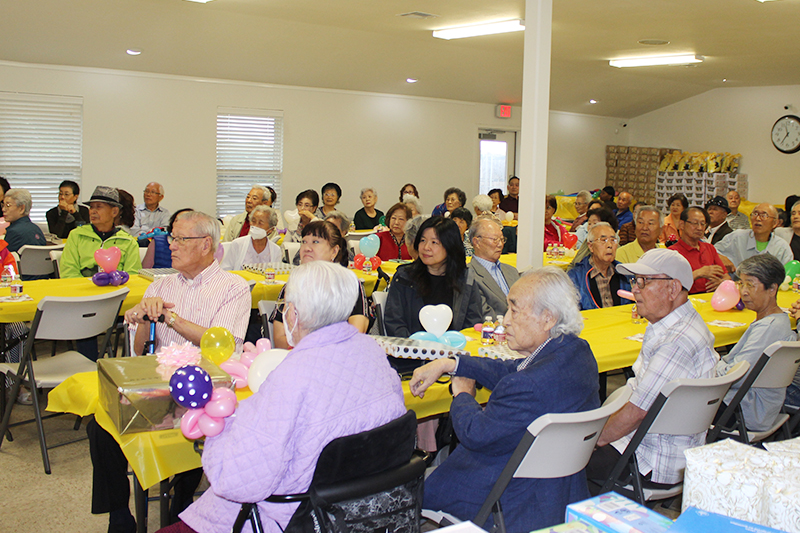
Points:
140	505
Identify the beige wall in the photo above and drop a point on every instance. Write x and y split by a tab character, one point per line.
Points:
730	120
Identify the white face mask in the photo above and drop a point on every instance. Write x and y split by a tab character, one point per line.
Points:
288	331
257	233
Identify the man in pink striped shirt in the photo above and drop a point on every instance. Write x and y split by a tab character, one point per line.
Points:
200	296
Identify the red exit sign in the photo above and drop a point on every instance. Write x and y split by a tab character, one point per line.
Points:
502	111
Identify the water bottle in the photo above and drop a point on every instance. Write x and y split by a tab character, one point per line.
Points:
7	276
500	332
367	266
487	332
16	288
352	227
635	318
796	283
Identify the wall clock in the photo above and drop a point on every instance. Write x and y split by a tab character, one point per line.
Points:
786	134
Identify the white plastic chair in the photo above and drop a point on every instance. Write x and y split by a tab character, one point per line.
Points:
55	256
356	246
291	250
265	308
379	298
59	318
142	253
36	260
774	369
683	407
555	445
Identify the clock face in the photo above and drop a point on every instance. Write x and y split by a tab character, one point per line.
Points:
786	134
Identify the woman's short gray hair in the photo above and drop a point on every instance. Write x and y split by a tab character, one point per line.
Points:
272	215
550	289
483	203
412	228
367	189
322	293
411	199
204	225
765	268
344	222
22	198
585	195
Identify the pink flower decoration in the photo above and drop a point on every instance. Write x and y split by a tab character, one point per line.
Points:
172	357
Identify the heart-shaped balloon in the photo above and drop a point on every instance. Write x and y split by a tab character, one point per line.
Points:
456	339
725	297
792	268
108	258
369	245
569	239
436	318
292	219
424	336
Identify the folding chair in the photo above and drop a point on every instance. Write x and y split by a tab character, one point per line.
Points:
291	249
55	256
60	318
379	299
683	407
265	308
36	260
774	369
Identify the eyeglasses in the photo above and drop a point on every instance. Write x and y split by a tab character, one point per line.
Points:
493	240
330	194
760	215
696	223
150	191
8	205
182	240
642	281
746	285
304	207
606	240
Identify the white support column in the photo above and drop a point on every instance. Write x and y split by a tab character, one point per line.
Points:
533	140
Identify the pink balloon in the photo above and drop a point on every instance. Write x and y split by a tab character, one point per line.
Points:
262	345
219	253
237	371
249	347
725	297
221	407
247	358
108	258
222	392
210	426
189	424
478	327
628	295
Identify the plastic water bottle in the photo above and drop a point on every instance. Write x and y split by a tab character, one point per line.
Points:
500	332
796	283
16	287
367	267
352	227
635	318
487	332
7	276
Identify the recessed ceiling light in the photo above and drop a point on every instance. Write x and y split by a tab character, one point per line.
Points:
762	1
476	30
200	1
592	101
682	59
653	42
133	51
724	80
411	80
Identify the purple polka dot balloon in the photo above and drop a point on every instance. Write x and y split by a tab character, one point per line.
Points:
191	387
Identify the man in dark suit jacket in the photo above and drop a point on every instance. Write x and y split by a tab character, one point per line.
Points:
493	277
717	209
559	375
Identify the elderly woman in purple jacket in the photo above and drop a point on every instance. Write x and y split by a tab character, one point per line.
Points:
335	382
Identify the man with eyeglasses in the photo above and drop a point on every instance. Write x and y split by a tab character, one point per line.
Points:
677	344
198	297
647	229
708	270
493	278
744	243
69	214
582	200
594	276
150	215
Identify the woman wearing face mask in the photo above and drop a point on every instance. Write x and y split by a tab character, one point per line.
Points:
322	241
256	246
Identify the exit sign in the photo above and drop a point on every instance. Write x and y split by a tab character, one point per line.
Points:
502	111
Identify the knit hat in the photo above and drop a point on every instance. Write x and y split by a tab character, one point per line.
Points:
109	195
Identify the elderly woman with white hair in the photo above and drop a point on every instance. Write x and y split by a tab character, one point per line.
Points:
21	231
557	375
413	203
256	247
272	444
368	217
482	204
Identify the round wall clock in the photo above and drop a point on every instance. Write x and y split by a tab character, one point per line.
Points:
786	134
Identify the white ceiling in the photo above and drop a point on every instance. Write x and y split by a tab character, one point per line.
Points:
364	45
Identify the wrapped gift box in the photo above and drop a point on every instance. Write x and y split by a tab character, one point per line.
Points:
136	396
614	513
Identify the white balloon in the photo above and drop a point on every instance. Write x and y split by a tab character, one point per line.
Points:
509	215
292	218
436	318
262	365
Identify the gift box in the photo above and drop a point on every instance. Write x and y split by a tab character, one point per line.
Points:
576	526
693	520
136	395
614	513
416	349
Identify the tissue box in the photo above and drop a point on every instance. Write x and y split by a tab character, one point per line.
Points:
137	398
693	520
614	513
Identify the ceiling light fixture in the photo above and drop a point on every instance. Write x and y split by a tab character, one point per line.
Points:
683	59
475	30
653	42
411	80
133	51
200	1
592	101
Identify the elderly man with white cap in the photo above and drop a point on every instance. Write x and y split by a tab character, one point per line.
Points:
677	344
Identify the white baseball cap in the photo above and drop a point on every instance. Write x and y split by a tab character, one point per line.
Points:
660	261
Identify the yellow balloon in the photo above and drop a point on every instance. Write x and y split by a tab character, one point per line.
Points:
217	345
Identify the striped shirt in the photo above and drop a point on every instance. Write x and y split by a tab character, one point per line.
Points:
214	298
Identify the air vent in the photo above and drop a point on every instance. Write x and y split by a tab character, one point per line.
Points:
418	15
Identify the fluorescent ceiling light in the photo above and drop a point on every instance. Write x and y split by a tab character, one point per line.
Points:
133	51
475	30
200	1
683	59
411	80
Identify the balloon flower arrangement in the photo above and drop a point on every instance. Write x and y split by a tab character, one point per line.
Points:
436	319
108	259
369	247
191	386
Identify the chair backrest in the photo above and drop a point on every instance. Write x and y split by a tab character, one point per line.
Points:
36	260
291	250
55	256
64	318
780	368
142	252
564	442
265	308
689	405
251	283
356	246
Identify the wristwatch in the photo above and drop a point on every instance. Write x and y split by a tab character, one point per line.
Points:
172	318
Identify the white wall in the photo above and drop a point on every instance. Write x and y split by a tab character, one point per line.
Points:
735	120
140	128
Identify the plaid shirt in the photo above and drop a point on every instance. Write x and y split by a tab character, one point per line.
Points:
677	346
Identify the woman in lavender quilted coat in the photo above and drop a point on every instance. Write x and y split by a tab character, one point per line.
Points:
335	382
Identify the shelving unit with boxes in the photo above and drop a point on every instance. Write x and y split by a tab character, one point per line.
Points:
699	187
634	169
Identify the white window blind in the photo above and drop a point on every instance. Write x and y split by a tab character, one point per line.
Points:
40	145
249	152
